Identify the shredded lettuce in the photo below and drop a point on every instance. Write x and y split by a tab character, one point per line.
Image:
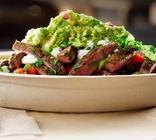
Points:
38	63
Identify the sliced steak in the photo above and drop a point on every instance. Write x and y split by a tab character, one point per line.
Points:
4	63
67	55
22	47
53	63
121	59
106	72
47	59
89	63
43	70
16	60
153	68
148	67
117	61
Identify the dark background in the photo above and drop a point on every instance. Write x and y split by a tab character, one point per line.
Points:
18	16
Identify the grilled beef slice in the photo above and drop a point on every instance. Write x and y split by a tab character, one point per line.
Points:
106	72
16	60
4	63
43	70
22	47
121	59
67	55
48	60
153	68
89	63
117	61
148	67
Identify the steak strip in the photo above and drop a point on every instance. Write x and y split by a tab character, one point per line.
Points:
115	65
119	60
15	60
23	47
148	67
153	68
67	55
89	63
48	60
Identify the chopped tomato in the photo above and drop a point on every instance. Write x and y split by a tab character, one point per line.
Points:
32	70
138	58
20	71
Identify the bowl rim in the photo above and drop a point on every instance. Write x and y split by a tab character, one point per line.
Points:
73	77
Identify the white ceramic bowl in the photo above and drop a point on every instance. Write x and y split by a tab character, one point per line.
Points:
77	93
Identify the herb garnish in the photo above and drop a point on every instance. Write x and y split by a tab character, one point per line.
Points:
38	63
66	53
54	61
76	66
52	72
102	63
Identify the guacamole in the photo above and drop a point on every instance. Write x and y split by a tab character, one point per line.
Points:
72	29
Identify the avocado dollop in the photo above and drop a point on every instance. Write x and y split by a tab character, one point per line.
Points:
73	29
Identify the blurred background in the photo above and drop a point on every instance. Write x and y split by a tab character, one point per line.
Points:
18	16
